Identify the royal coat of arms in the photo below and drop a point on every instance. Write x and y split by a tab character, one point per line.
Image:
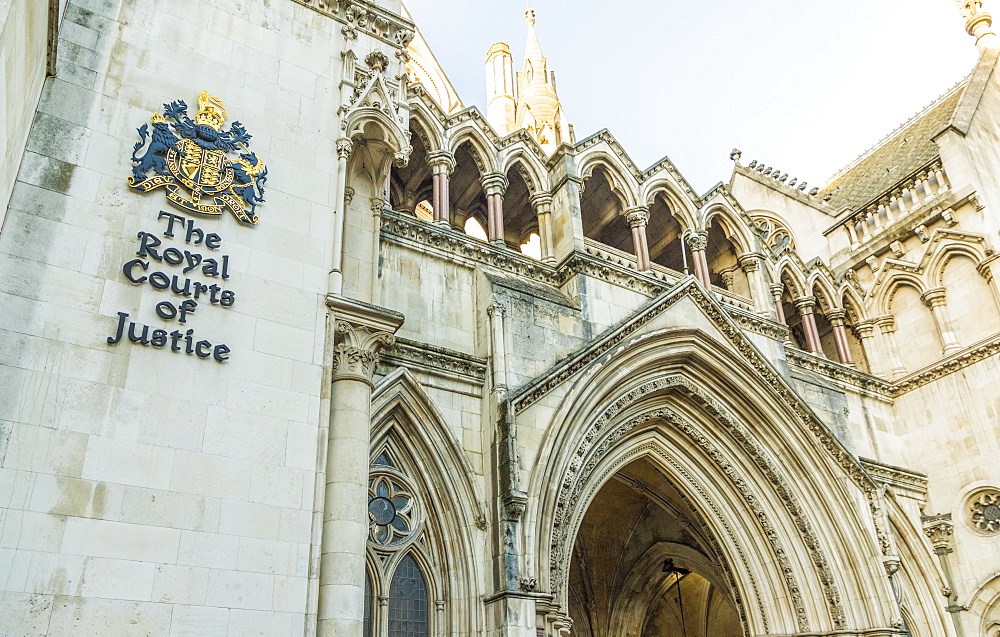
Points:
193	164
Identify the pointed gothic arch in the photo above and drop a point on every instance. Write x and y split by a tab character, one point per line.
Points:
657	396
406	422
482	150
680	205
619	176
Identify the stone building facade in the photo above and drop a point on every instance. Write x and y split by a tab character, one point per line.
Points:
295	342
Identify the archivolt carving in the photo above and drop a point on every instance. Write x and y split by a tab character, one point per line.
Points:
578	474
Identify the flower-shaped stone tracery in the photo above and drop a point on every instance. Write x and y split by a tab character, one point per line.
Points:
392	509
984	511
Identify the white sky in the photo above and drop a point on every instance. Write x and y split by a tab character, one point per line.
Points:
805	86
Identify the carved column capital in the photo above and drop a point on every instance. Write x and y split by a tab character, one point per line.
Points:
885	323
934	297
637	216
441	161
836	316
728	277
750	262
864	330
357	350
939	529
494	184
496	307
360	333
777	291
697	240
514	504
805	304
344	148
541	202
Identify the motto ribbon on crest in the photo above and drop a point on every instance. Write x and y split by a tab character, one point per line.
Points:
194	167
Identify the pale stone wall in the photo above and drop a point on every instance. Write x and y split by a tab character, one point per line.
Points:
23	47
147	491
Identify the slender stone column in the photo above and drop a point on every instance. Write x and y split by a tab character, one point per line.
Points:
442	163
866	334
887	327
779	311
494	185
361	331
807	307
542	203
750	263
638	217
335	280
836	318
935	299
698	243
852	234
496	312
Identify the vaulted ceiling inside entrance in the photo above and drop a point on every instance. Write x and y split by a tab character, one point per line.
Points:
642	564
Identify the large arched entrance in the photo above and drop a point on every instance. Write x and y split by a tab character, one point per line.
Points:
644	565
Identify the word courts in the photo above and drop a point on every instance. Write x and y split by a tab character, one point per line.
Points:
177	265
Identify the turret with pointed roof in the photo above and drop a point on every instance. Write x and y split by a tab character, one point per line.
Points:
536	106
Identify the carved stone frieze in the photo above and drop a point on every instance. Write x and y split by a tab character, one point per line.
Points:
955	362
435	360
359	16
842	373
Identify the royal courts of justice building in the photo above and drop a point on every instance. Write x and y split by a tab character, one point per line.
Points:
295	342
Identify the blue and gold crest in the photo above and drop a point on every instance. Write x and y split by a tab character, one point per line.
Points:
194	165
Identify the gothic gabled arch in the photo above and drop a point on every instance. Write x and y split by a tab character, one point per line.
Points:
406	420
483	152
736	231
528	165
937	257
680	206
618	408
788	272
891	283
430	128
819	282
621	179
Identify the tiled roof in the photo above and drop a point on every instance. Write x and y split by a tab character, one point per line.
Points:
905	150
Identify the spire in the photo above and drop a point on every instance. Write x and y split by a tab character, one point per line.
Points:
538	107
532	50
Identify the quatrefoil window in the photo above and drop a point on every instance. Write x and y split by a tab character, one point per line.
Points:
393	509
984	511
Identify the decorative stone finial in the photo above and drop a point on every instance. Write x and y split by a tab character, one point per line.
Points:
735	154
529	17
978	23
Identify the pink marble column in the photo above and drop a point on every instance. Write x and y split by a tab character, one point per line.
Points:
494	185
638	217
779	310
698	242
836	318
442	163
807	307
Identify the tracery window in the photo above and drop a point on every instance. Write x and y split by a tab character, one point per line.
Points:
395	528
408	616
